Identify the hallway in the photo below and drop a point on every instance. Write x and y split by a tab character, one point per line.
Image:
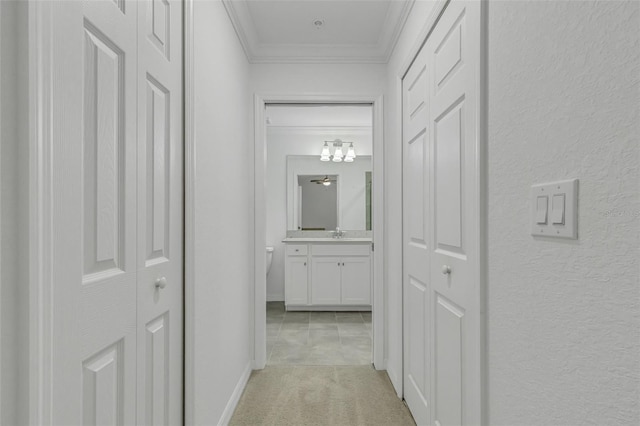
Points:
140	154
320	395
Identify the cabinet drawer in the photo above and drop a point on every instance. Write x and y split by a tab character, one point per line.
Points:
341	249
296	249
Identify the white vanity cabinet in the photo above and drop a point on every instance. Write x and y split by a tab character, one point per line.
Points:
296	275
328	276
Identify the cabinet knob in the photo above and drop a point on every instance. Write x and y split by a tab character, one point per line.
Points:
305	263
446	269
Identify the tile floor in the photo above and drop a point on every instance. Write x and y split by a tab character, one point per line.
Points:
317	338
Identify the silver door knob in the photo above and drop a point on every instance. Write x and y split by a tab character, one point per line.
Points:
446	269
161	283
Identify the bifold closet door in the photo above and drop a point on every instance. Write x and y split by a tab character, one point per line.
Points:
112	332
160	212
443	322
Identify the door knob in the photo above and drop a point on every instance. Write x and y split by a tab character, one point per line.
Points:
161	283
446	269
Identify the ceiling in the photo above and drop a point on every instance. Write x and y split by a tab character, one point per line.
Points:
315	116
313	31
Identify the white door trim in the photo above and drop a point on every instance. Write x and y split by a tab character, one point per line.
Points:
260	288
189	215
481	175
40	209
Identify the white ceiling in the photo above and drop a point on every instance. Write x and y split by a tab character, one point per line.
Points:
353	31
314	116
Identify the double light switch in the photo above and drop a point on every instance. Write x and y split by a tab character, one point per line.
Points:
555	209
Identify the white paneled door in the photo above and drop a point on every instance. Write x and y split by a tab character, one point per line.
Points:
117	221
442	294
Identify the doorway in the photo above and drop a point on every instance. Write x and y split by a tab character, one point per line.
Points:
318	286
262	181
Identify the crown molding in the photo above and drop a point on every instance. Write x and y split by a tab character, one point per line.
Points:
378	53
322	130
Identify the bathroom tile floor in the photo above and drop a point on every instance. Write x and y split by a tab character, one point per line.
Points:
317	338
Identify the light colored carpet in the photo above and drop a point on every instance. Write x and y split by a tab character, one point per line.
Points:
320	395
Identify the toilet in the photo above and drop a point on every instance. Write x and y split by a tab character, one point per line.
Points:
269	258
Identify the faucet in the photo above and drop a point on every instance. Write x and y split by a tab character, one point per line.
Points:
338	233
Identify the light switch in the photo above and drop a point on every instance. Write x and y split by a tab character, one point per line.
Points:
541	210
554	209
557	209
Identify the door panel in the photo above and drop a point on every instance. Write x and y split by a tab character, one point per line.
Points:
448	179
325	276
116	341
356	281
456	322
160	212
94	275
103	396
442	316
448	361
297	292
416	238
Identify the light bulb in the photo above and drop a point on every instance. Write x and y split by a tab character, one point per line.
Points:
325	151
325	158
351	153
337	156
326	183
348	159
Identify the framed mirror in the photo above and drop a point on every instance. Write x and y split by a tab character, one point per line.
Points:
325	195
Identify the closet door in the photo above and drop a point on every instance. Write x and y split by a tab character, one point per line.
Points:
116	221
93	225
415	181
455	320
441	222
160	212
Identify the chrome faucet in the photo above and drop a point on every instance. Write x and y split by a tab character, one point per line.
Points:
338	233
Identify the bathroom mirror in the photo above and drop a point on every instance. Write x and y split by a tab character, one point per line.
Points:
339	196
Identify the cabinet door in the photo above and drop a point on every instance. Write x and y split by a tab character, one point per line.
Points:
325	281
296	281
356	281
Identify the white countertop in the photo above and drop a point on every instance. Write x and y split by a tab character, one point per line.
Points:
326	240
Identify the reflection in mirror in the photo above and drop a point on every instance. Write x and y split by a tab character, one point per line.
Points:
318	202
350	204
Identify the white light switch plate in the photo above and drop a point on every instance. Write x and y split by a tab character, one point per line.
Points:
568	188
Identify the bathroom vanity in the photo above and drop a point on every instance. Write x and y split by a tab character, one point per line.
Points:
327	274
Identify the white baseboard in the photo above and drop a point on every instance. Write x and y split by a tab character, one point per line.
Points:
235	397
393	376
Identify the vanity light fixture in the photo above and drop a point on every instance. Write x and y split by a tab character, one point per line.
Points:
338	155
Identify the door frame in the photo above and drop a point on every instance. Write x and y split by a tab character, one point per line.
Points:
40	209
259	290
481	180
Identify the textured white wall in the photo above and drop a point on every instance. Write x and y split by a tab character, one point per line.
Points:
280	144
564	318
224	214
318	79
